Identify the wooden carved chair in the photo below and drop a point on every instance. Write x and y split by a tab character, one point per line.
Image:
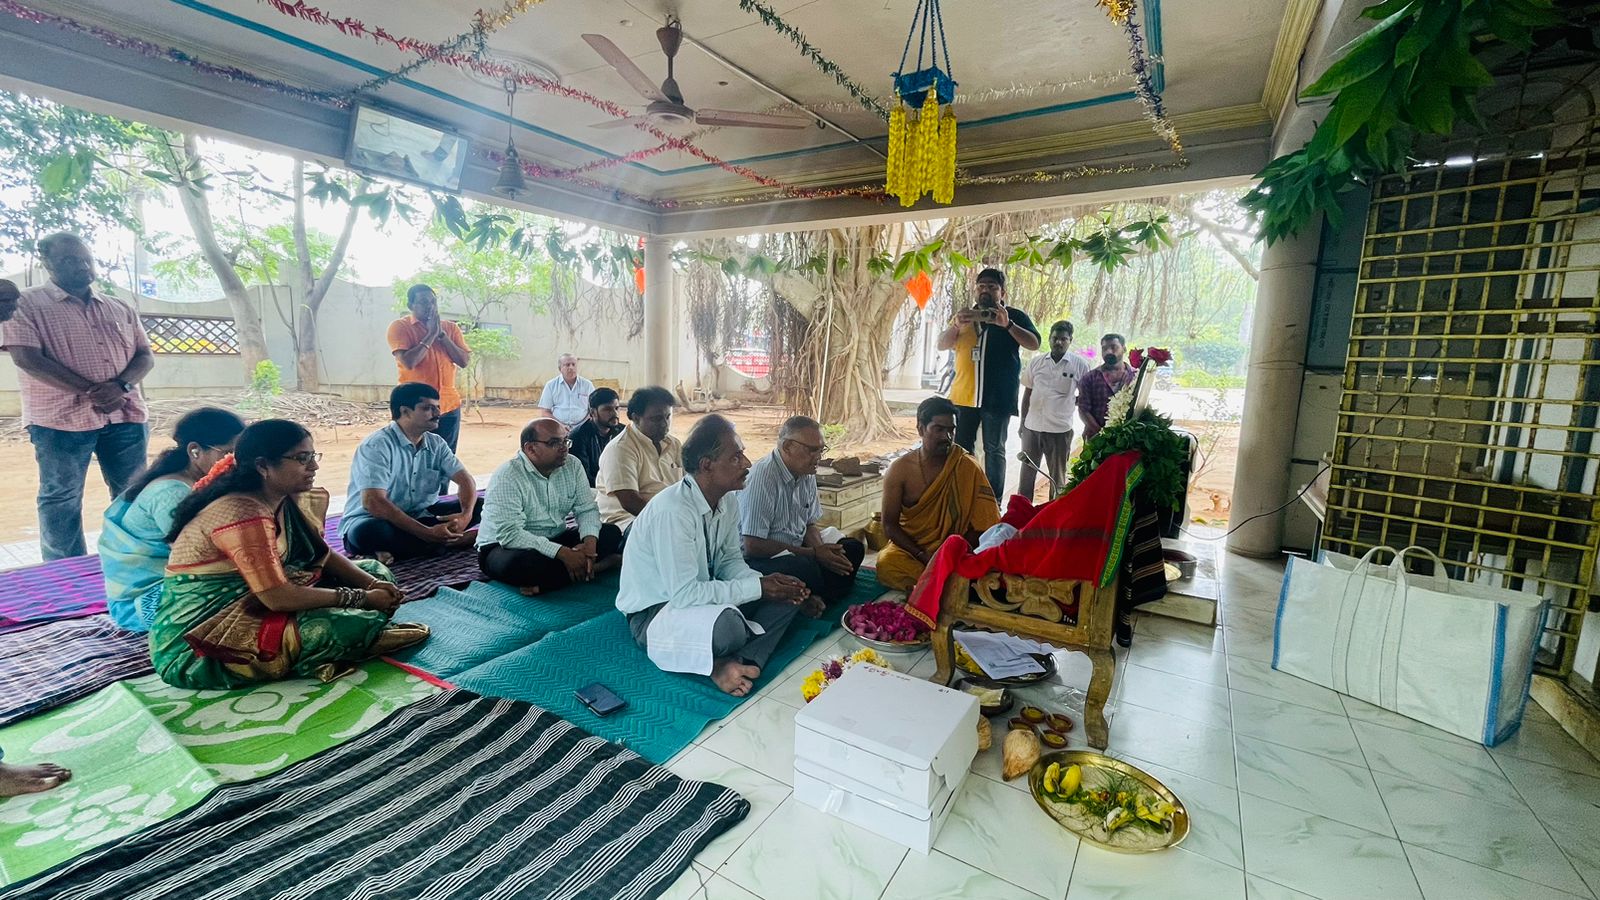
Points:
1072	615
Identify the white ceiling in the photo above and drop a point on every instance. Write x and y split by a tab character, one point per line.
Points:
1216	60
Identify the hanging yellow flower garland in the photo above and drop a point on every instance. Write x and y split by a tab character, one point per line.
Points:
922	152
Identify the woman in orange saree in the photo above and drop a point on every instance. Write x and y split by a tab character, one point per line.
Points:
252	591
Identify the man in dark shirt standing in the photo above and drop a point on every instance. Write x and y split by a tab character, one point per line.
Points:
595	432
988	341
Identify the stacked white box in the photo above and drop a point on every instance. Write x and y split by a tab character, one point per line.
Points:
887	752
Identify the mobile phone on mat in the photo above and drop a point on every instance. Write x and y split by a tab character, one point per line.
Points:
601	700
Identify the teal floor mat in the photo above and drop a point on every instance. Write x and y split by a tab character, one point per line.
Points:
490	620
665	710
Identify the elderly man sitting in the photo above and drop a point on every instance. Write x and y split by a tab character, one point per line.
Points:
392	508
778	513
524	540
929	494
691	600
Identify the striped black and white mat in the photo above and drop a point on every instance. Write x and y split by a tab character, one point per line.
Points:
55	663
457	796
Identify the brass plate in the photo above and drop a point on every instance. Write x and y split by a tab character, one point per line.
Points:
1087	830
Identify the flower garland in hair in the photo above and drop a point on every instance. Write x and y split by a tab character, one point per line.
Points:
223	466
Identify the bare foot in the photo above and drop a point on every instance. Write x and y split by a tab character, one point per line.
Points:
734	677
384	557
528	591
813	607
15	780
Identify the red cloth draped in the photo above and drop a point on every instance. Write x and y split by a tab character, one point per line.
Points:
1078	536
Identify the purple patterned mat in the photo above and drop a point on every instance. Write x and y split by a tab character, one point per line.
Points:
73	588
45	666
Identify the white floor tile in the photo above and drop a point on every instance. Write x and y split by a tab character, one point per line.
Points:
1213	813
1568	805
802	852
1172	875
1548	744
1311	783
1248	639
1318	856
1301	727
1004	833
1180	659
1177	743
1201	701
763	794
1262	889
762	737
1362	711
1463	768
699	883
1447	878
1477	831
940	877
1256	677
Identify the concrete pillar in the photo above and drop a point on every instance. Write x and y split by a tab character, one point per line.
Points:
660	319
1272	392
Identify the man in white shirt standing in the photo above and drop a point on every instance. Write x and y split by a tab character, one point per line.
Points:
567	394
691	600
524	540
1049	398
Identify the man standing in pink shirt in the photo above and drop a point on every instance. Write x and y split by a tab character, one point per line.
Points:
80	357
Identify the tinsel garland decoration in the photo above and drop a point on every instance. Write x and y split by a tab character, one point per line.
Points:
483	24
826	66
1087	171
170	54
1121	13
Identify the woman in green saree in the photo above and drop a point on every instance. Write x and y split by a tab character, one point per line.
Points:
252	592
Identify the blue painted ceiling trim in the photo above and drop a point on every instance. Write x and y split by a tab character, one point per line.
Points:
1152	24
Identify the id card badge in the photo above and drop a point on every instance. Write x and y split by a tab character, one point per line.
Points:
976	353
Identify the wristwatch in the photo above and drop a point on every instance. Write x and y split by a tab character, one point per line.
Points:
126	387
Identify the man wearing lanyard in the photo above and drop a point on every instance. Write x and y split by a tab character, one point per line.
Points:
988	340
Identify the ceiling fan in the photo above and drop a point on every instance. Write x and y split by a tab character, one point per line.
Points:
666	102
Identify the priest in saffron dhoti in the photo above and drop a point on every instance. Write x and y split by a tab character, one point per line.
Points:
930	494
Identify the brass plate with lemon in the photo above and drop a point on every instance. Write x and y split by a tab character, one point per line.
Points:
1108	802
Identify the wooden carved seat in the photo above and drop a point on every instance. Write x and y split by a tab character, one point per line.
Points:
1070	615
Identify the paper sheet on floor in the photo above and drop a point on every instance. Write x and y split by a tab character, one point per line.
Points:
1002	655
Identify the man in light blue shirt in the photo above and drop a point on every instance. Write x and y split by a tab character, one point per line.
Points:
691	600
524	540
567	394
392	508
778	513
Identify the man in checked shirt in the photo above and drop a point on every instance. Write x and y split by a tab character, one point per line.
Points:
80	356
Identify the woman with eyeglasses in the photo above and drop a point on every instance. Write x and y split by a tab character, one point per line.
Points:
252	592
133	539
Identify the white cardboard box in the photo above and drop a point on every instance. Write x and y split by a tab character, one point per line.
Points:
908	738
861	804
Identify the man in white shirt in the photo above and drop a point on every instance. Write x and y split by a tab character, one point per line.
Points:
1049	398
567	394
640	462
691	600
524	540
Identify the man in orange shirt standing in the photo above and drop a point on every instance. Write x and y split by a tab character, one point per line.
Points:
430	350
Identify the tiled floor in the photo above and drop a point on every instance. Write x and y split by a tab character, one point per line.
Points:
1294	792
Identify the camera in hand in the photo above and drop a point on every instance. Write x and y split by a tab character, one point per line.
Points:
986	314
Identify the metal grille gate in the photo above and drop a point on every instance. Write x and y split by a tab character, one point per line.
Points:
1468	419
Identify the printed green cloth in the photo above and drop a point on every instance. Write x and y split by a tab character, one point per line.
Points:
142	751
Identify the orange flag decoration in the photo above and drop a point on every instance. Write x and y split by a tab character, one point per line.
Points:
920	287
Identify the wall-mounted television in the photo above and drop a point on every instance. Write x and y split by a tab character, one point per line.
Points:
387	144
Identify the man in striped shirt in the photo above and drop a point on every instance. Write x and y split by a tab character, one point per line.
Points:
524	540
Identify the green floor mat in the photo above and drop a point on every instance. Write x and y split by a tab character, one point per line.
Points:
665	710
489	619
142	751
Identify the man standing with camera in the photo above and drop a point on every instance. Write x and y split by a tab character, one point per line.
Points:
988	340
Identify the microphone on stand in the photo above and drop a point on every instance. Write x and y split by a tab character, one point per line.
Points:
1054	487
